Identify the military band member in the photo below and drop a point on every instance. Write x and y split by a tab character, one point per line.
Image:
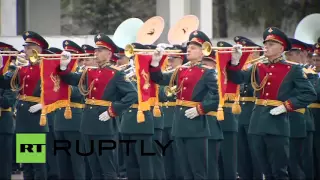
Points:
248	167
197	95
107	95
28	106
274	82
216	137
7	102
71	166
315	107
88	62
138	166
171	163
228	152
298	125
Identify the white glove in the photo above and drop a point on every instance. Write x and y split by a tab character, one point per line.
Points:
35	108
236	54
156	57
191	113
104	116
65	60
21	60
278	110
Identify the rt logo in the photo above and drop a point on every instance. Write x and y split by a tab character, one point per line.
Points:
31	148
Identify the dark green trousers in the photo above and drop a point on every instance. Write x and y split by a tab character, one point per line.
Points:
171	163
121	168
248	167
193	157
34	171
316	150
228	156
138	166
6	155
307	160
70	166
213	159
158	160
102	165
52	164
272	152
88	170
295	158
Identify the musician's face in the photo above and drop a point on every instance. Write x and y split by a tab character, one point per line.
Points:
28	50
174	62
294	55
103	55
316	60
273	49
89	62
123	60
194	52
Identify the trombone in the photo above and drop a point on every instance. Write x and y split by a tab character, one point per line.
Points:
207	49
9	53
130	51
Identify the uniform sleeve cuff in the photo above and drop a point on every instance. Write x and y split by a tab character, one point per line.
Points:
289	106
200	109
111	112
155	69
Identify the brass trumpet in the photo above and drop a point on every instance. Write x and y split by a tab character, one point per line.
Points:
9	53
36	56
261	58
207	49
130	51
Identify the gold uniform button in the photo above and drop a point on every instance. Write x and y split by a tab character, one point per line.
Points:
181	108
243	103
269	83
90	107
28	76
270	74
130	110
96	79
26	85
186	78
184	88
190	69
267	94
112	72
21	104
99	71
182	98
31	68
94	88
92	98
272	66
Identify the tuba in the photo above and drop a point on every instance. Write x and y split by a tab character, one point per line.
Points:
308	29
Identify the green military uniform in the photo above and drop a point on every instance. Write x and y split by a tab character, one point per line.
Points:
137	165
228	151
191	135
89	50
7	100
270	133
71	166
214	141
248	167
28	78
315	108
108	93
298	130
